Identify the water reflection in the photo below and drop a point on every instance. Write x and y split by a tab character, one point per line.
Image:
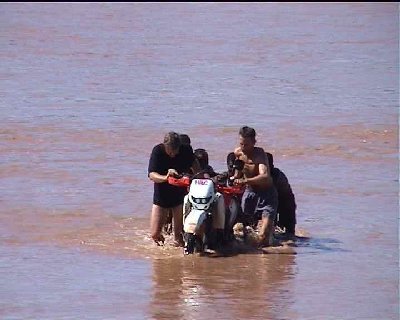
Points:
248	286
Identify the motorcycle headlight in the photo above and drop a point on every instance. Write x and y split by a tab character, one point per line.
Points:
201	200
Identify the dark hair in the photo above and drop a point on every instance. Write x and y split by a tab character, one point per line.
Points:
247	132
202	156
172	139
185	140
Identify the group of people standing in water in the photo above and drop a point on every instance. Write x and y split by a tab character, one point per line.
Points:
267	201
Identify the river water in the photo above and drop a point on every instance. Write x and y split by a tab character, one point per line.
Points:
87	89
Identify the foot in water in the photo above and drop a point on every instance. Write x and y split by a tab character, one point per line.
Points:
178	243
253	238
159	240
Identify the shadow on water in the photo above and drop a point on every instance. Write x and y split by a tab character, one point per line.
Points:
286	246
314	245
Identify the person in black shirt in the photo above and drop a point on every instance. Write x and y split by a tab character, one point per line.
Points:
202	157
185	140
167	159
286	217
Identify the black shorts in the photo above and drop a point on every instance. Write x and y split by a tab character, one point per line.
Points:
168	197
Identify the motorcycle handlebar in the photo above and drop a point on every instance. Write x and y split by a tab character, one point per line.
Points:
182	181
185	180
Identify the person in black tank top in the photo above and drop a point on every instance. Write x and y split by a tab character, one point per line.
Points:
169	158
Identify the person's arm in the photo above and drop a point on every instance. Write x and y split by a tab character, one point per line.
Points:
263	179
155	167
159	178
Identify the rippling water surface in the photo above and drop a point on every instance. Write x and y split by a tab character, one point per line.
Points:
87	89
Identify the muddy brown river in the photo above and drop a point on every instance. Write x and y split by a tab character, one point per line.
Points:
86	91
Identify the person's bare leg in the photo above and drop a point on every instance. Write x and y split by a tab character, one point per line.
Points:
168	222
266	231
156	223
177	213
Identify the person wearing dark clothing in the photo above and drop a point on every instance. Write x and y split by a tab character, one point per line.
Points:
202	157
169	158
286	217
218	207
185	140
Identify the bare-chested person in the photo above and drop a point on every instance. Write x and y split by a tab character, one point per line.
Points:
260	198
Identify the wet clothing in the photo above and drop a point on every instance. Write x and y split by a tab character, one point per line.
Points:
166	195
287	205
258	204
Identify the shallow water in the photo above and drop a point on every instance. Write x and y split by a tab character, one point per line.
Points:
88	89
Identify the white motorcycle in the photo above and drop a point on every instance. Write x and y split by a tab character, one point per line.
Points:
210	210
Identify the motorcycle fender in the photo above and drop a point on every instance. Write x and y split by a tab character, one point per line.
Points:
194	220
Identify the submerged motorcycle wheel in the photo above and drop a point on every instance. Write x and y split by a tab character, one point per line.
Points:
192	244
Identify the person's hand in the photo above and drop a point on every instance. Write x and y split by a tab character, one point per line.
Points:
172	173
240	182
260	240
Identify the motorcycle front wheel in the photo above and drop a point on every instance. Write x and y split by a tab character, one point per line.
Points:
193	244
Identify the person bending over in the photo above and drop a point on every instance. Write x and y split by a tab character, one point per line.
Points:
169	158
260	198
286	217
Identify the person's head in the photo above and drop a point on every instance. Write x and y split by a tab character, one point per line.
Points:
247	139
172	144
202	157
185	139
